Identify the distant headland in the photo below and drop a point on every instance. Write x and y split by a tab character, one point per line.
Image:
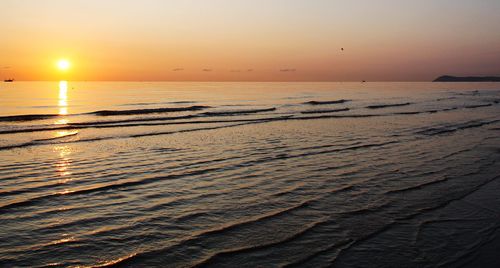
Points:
449	78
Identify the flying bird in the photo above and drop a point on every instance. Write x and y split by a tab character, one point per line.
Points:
342	48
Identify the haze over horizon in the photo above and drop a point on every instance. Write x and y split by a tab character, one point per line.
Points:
263	40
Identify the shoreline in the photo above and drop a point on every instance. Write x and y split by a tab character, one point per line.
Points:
487	254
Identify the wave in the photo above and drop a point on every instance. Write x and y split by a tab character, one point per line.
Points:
192	216
206	233
27	117
149	111
214	258
125	184
244	121
142	122
308	259
156	103
381	106
439	180
420	211
191	116
452	128
259	218
37	141
74	133
326	102
331	116
24	190
33	143
33	117
412	113
425	112
106	187
325	111
467	93
419	186
133	120
239	112
289	190
367	209
136	122
478	106
115	262
447	98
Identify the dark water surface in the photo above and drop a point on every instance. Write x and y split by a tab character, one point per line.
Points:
248	174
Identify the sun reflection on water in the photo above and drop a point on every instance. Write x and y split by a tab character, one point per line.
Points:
62	122
63	164
63	102
63	97
64	133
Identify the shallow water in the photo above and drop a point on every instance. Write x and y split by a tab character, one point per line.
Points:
246	174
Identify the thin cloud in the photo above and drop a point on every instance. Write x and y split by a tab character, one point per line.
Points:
178	69
207	70
287	70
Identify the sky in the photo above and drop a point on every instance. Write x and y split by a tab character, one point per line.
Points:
249	40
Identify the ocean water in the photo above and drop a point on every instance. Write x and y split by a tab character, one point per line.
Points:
248	174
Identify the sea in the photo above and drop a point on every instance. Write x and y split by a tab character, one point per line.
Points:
244	174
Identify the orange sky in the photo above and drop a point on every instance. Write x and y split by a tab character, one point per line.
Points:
257	40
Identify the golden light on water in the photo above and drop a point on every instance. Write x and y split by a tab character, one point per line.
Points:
63	98
65	133
61	122
63	164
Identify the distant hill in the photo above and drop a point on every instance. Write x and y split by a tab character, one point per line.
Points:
449	78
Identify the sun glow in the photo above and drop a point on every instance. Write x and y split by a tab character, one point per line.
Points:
63	64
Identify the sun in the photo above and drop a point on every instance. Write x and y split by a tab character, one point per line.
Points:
63	64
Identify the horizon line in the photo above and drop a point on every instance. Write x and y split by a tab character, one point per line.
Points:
235	81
